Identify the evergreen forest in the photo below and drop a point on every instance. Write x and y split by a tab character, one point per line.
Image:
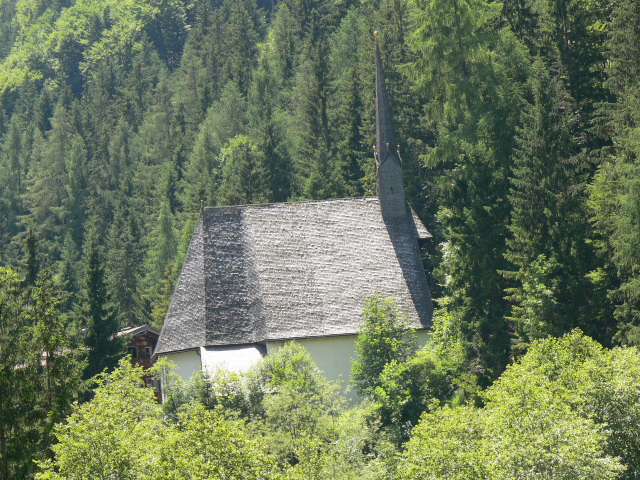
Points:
519	129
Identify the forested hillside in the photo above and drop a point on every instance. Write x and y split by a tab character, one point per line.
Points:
518	124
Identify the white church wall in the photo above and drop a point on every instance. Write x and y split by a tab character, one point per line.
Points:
233	358
422	337
186	362
333	355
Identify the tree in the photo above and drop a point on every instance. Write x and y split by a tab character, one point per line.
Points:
383	337
117	434
549	243
277	167
97	314
209	446
297	406
545	416
613	204
124	264
32	262
408	389
59	381
242	173
471	74
597	384
120	434
11	177
18	368
507	443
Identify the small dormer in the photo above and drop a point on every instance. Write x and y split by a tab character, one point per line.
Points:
389	184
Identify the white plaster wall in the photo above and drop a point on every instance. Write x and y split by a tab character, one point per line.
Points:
233	358
423	337
333	355
186	362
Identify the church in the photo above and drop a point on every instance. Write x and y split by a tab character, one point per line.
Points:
257	276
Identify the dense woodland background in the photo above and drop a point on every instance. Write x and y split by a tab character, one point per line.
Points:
517	122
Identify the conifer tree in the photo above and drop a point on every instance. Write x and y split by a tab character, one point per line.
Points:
349	150
32	260
463	66
18	370
242	173
51	342
351	103
161	263
12	168
48	178
265	124
614	190
315	156
97	314
243	28
124	264
549	230
277	169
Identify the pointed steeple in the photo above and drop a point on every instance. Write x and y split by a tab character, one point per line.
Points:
385	141
389	183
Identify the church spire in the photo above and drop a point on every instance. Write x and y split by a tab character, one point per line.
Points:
389	183
385	141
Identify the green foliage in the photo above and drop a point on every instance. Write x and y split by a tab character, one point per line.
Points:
407	389
472	73
113	435
41	370
287	404
538	419
400	382
18	404
242	173
125	115
549	246
205	445
120	434
297	404
383	337
97	315
62	364
577	372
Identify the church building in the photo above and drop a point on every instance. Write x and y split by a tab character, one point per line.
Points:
257	276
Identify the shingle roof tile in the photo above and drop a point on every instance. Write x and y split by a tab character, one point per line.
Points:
255	273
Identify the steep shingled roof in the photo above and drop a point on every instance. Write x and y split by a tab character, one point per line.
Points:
293	270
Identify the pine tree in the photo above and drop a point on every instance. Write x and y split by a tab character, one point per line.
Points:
242	173
51	342
32	260
124	265
315	156
161	263
46	194
11	180
18	370
97	314
264	115
614	189
350	154
463	67
243	28
549	229
277	169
